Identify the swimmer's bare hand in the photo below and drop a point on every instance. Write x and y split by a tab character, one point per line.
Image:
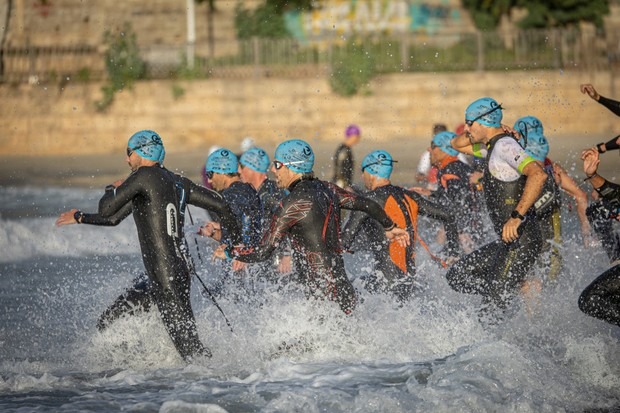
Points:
420	190
285	265
590	161
509	232
67	218
512	131
118	183
212	230
219	253
399	235
238	265
590	91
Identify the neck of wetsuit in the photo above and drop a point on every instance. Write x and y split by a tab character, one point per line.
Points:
298	180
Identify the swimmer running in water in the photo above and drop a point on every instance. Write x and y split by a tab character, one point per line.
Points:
158	199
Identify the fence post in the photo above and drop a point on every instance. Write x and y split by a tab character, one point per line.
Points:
480	48
404	52
256	50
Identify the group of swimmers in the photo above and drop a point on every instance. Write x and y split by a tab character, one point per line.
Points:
294	224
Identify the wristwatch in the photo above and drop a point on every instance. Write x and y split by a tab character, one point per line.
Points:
516	214
78	216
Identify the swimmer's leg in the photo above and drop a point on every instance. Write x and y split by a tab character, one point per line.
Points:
601	299
135	299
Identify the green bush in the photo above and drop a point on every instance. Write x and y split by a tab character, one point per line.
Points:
352	68
123	63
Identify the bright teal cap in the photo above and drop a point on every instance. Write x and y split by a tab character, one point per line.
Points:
148	145
222	161
442	141
378	163
485	111
255	159
533	137
296	154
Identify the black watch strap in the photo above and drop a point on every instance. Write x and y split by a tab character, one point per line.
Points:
78	216
516	214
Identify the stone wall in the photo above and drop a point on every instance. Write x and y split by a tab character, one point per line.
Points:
192	115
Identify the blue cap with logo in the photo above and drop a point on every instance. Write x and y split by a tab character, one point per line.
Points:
442	141
148	145
296	154
222	161
378	163
533	137
255	159
485	111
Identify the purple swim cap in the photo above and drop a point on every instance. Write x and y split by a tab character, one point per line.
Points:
352	130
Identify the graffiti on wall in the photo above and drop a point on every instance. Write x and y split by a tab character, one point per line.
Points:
346	17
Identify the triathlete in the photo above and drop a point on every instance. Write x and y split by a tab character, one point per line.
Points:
601	299
512	182
395	267
222	169
253	167
310	215
454	190
343	158
548	205
158	199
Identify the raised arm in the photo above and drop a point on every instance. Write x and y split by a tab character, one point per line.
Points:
75	216
581	198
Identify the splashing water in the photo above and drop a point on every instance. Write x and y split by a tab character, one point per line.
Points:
286	353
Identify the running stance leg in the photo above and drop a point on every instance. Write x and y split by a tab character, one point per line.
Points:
601	299
135	299
599	217
178	317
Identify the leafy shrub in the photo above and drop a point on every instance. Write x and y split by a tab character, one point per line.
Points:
123	63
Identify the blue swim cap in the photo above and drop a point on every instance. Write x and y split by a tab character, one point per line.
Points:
442	141
378	163
148	145
296	154
534	141
352	130
255	159
485	111
222	161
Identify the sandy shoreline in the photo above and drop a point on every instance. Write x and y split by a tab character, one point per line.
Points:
99	170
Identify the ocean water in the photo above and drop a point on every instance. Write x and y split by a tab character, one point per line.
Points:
429	355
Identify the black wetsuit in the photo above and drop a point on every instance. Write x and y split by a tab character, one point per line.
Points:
310	215
395	264
158	198
456	194
612	105
548	208
601	299
246	205
343	166
497	270
270	196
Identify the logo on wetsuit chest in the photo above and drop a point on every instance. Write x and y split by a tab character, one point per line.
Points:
171	220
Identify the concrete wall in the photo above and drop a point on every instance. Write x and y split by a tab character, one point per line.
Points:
46	120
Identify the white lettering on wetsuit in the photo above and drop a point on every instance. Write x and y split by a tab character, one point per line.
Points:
171	221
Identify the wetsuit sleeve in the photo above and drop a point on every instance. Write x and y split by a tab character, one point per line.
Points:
213	201
612	105
440	213
115	219
610	192
349	200
283	219
115	199
351	228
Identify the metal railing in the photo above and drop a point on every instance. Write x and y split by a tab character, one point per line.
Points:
253	58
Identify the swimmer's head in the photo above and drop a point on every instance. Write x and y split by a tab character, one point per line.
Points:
222	161
533	137
378	163
255	159
295	154
148	145
485	111
247	143
442	141
352	130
